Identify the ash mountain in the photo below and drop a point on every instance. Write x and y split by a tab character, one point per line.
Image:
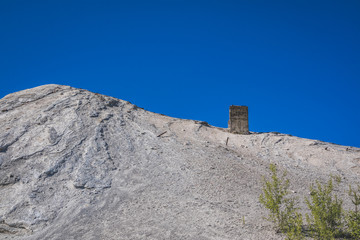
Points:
80	165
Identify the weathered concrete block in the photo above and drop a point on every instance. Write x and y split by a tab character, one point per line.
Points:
238	122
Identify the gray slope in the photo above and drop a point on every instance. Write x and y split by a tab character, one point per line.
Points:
80	165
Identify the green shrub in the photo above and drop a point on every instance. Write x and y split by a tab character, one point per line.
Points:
353	224
282	209
353	217
327	216
295	227
355	198
325	221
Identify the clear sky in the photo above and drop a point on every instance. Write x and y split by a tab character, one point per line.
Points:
296	63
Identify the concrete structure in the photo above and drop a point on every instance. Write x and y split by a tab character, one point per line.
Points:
238	122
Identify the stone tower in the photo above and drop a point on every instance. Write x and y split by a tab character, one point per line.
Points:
238	122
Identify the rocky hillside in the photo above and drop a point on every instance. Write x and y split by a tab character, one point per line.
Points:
80	165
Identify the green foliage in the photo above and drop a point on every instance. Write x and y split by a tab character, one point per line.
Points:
337	178
282	209
294	231
273	197
353	217
355	197
353	224
326	211
327	216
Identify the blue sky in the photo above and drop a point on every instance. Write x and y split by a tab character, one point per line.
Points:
296	64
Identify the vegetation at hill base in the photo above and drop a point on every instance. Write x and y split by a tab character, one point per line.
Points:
326	219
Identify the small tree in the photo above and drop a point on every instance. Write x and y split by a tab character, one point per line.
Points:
282	208
326	211
353	217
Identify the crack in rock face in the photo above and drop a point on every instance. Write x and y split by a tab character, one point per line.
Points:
80	165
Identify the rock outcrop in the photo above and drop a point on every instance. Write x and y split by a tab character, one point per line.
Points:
80	165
